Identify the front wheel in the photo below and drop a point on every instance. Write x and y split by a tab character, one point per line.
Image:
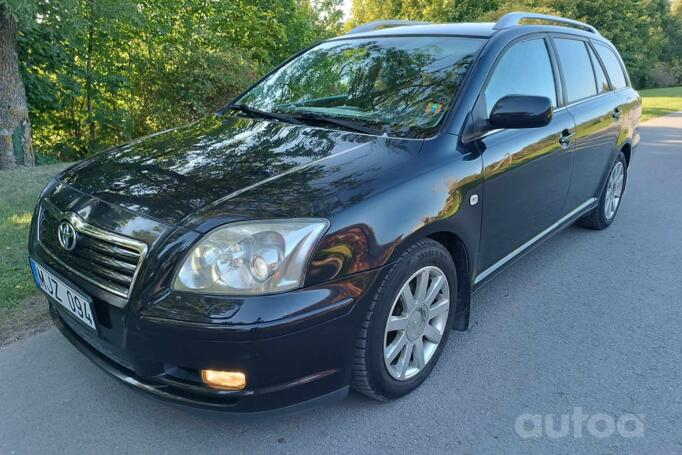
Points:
609	202
407	324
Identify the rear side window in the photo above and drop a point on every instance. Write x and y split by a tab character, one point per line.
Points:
602	82
577	69
525	69
612	65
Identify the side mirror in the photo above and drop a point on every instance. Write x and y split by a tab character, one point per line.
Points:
521	111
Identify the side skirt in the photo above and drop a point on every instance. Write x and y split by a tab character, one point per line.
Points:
561	224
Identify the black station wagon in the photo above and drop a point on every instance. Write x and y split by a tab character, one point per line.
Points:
326	229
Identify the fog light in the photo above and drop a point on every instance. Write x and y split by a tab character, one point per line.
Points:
226	380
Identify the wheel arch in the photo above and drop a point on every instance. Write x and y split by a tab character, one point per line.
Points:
460	251
627	151
460	256
626	148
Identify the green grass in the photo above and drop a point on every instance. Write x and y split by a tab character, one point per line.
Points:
660	101
19	190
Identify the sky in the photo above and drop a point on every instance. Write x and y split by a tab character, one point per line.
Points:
346	8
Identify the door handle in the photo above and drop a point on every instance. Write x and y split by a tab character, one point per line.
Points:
566	138
617	113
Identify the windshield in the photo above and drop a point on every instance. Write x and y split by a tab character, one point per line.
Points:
399	86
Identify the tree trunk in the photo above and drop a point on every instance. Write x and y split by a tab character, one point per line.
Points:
13	107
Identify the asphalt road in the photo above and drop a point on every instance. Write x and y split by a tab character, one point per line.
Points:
590	323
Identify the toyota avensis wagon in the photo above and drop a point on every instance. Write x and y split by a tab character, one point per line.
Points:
326	229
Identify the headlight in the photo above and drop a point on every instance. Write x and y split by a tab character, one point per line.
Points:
251	257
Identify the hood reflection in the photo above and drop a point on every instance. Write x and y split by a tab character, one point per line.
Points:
172	174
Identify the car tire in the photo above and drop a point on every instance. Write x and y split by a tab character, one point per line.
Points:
374	373
604	214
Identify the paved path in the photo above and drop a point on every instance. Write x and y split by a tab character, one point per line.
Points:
591	320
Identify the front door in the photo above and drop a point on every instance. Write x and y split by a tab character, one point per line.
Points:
527	172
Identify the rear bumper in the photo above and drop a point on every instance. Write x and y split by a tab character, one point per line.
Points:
291	364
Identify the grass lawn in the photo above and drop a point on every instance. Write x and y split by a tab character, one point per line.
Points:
660	101
22	308
19	190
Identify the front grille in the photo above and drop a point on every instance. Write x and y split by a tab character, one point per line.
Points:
103	258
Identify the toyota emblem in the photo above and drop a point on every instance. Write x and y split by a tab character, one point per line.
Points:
67	235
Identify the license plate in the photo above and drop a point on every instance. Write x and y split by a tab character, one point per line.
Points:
76	302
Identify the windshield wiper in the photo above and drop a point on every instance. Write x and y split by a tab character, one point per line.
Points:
253	112
348	124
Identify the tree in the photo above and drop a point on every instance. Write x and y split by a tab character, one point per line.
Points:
101	72
330	15
15	126
425	10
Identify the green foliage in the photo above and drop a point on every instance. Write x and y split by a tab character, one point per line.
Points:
22	11
330	15
646	32
100	72
429	10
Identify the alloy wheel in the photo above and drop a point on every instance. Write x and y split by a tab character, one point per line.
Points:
614	190
416	323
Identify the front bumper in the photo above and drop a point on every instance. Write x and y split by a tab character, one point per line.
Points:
289	364
293	347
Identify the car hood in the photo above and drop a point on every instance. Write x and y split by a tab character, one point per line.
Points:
176	173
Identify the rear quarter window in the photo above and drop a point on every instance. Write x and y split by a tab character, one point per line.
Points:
613	66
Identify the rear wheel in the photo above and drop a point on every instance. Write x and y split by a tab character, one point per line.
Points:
609	202
407	324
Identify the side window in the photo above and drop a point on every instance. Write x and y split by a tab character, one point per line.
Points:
602	82
525	69
612	65
577	69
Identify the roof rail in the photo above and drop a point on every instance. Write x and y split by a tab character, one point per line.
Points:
513	19
376	25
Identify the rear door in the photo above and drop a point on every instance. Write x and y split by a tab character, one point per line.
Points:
595	108
627	100
526	171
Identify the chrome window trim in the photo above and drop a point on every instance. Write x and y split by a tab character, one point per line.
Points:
584	100
487	272
85	228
